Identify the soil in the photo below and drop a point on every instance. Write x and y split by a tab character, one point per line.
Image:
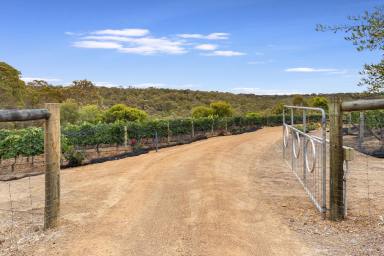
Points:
230	195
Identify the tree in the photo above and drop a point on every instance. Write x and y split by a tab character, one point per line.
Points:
298	100
278	108
320	102
90	114
12	88
366	32
201	111
69	112
221	108
84	91
121	112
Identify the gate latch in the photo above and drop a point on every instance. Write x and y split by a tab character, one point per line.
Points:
349	153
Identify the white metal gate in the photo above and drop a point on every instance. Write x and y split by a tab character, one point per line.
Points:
305	152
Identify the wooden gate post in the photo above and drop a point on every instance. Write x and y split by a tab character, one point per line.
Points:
52	166
336	200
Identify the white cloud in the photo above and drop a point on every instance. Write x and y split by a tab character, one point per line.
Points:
212	36
138	41
106	84
96	45
163	85
226	53
150	45
49	80
259	91
123	32
310	70
136	45
206	47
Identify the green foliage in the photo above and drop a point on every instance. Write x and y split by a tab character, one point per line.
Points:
320	102
88	134
12	88
221	109
375	123
91	114
253	115
203	124
32	141
278	108
201	111
309	127
121	112
373	77
69	112
26	142
298	100
366	32
84	92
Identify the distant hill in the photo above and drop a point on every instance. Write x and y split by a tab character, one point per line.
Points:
166	102
158	102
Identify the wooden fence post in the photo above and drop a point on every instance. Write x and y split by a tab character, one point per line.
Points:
336	200
52	166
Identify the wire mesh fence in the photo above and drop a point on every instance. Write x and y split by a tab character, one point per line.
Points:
22	214
364	131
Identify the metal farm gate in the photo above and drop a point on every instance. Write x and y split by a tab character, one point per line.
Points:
305	152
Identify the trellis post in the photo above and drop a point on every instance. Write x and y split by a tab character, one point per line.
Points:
168	133
125	136
52	166
193	129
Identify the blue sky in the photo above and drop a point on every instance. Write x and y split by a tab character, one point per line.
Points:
259	46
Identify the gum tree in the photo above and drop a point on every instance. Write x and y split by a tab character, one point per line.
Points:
366	32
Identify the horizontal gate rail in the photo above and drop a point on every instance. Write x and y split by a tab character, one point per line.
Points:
12	115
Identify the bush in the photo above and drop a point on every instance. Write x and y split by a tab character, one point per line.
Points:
201	111
121	112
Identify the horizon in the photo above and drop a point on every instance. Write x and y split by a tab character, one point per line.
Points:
241	47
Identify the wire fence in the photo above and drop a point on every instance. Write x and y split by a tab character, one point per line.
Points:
364	131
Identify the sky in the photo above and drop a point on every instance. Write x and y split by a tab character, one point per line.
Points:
238	46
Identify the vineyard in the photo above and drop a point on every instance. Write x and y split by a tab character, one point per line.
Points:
22	149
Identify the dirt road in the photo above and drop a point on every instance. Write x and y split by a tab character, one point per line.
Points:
211	197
